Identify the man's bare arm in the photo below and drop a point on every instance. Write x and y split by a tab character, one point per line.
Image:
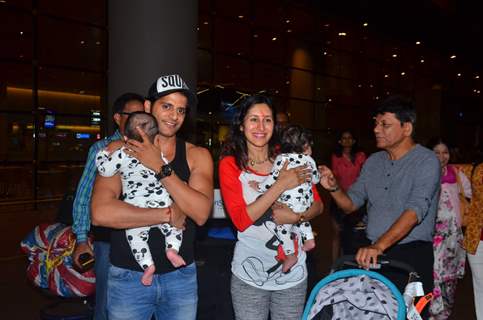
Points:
403	225
108	211
195	199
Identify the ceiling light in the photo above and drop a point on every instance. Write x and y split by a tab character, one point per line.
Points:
325	53
403	73
255	35
287	82
326	25
21	33
274	38
98	42
289	30
342	34
377	98
359	85
330	100
241	17
453	57
422	60
418	42
477	77
386	76
205	22
365	24
287	21
459	74
394	55
318	88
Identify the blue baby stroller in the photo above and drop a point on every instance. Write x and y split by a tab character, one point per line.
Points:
362	294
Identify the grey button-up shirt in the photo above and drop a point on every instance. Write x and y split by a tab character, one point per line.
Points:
393	186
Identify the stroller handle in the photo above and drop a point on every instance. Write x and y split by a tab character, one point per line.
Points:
350	260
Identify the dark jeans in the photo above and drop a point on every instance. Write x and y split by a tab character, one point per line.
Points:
351	238
419	255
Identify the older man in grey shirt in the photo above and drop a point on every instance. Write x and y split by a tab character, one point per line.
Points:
401	187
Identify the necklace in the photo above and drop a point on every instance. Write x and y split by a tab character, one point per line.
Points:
254	162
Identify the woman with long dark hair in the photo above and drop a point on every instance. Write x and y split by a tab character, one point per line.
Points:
258	285
346	164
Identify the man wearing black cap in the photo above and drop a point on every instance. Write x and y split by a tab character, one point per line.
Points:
188	177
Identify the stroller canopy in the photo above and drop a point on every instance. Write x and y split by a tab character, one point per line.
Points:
355	294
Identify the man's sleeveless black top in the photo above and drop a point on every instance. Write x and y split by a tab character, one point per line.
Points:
121	255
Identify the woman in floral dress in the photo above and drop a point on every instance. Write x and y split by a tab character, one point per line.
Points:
449	255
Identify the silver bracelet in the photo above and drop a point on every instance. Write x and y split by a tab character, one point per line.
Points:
336	188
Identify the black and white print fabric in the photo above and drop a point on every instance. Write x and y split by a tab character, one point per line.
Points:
139	188
358	297
299	199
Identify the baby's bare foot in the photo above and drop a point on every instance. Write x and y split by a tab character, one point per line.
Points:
175	259
147	278
289	262
308	245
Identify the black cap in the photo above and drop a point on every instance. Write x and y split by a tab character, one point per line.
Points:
167	84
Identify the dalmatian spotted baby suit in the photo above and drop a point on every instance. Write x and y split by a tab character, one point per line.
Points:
299	199
139	188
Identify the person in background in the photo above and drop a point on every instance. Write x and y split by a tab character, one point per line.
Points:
123	106
282	120
473	240
449	255
346	164
258	285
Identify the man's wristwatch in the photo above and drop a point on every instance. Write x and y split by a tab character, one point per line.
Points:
164	172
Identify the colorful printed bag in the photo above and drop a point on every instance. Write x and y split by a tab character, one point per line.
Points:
49	248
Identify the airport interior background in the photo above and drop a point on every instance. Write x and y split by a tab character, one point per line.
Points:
326	63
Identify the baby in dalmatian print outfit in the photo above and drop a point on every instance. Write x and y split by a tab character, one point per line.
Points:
141	188
296	148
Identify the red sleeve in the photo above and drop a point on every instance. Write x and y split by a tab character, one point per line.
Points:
316	193
232	193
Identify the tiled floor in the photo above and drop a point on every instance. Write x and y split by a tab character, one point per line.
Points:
19	300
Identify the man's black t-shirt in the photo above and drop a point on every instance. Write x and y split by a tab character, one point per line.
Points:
121	255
